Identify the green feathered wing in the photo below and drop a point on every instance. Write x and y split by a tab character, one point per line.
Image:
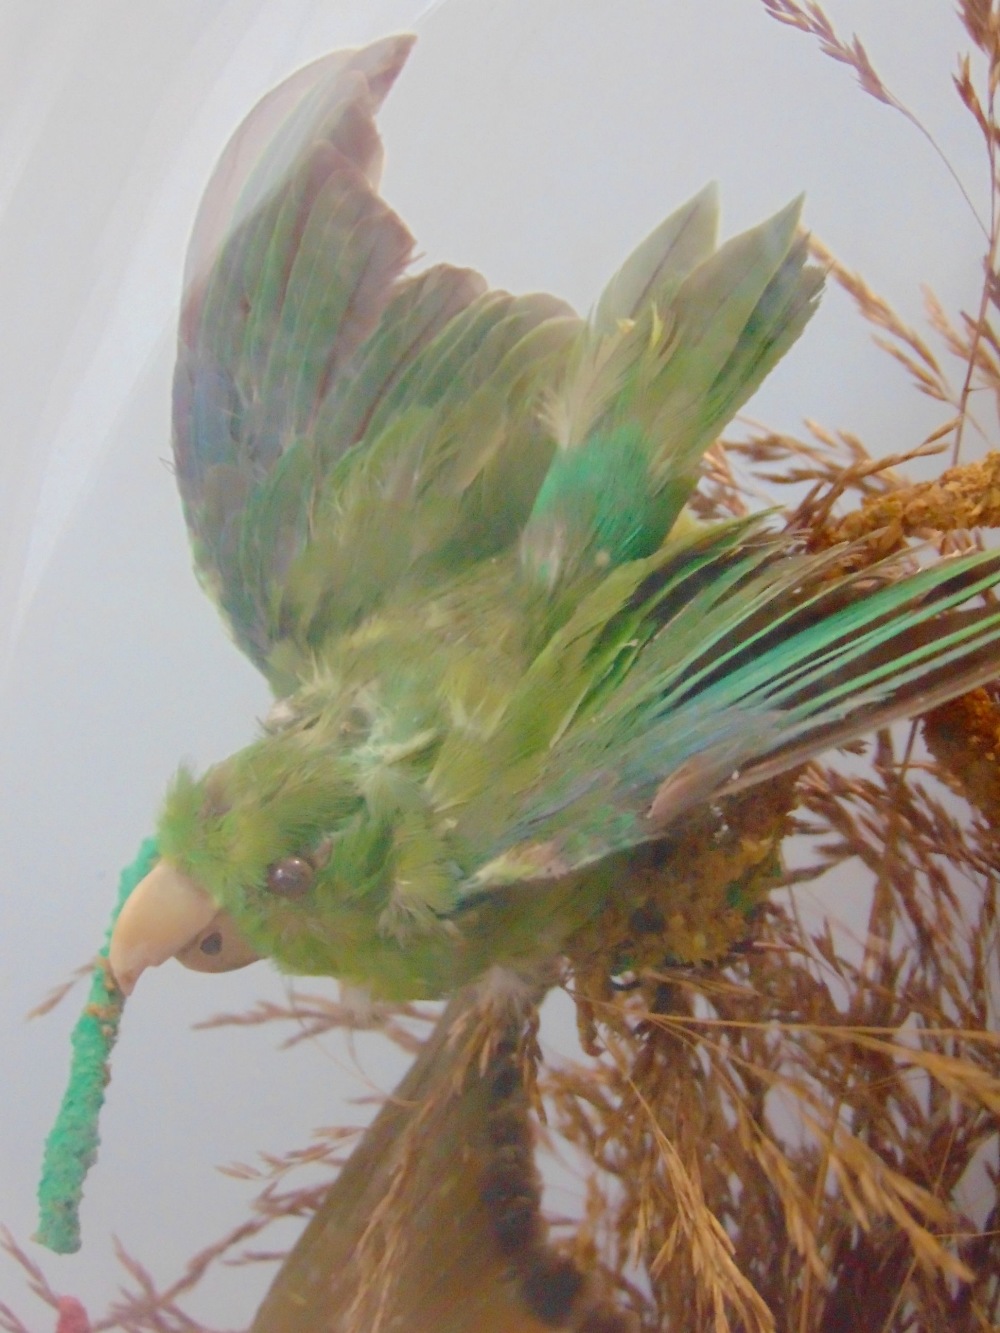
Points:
328	405
712	665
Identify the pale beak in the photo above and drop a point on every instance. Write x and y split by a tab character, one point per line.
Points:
169	915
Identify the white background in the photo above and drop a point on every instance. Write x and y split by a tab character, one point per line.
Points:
535	139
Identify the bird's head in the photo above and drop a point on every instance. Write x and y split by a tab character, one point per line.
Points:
253	855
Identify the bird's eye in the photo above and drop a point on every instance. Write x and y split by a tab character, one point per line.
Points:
290	877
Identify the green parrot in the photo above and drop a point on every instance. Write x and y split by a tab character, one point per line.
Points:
450	526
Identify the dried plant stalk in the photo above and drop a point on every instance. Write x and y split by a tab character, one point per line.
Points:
966	496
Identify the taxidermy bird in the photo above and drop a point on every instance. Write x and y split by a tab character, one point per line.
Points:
450	525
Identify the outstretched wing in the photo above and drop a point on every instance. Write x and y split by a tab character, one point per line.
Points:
698	672
306	353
